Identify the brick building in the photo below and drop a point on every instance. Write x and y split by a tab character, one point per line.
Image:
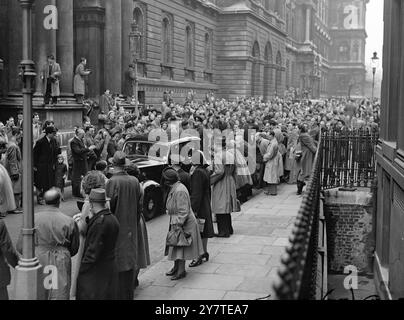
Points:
231	47
389	261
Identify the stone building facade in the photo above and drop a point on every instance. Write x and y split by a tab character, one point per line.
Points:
230	47
389	258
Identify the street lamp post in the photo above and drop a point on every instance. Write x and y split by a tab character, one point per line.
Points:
28	284
134	45
375	64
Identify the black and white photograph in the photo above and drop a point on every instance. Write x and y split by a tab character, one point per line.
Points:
210	156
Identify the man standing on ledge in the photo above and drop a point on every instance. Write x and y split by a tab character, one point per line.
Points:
51	76
79	82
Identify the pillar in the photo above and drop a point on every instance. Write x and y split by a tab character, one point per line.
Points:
44	40
127	19
113	46
308	24
13	58
65	45
89	24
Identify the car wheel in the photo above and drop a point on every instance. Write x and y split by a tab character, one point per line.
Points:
152	204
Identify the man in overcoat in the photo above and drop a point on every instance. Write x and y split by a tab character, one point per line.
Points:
305	164
97	279
79	80
56	242
80	165
51	74
8	256
125	194
46	151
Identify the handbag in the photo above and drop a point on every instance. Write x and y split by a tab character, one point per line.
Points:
176	237
238	207
201	225
298	152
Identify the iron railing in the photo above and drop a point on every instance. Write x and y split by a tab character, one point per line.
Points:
348	158
298	273
344	159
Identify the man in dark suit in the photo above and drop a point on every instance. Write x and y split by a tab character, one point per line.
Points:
80	165
46	151
8	256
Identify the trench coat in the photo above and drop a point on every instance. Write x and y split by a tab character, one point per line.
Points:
55	86
45	158
243	175
79	81
224	193
7	201
180	211
125	194
8	256
309	150
98	275
56	242
143	252
274	163
13	166
201	199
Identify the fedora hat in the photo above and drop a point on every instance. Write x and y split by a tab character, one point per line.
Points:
119	159
98	195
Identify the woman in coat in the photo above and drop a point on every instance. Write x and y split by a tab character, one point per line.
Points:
179	209
224	194
201	201
273	161
7	202
305	164
79	82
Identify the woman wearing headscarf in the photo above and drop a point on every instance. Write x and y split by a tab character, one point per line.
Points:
201	201
178	206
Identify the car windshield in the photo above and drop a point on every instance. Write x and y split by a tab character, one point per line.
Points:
145	149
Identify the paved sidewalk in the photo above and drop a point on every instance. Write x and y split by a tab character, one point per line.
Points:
243	267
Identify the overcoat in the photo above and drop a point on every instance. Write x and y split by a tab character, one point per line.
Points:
274	165
57	72
7	201
179	209
125	194
45	158
8	256
79	81
13	166
201	199
224	193
56	242
79	155
309	150
98	275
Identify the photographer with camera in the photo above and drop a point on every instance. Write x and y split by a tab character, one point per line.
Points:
51	74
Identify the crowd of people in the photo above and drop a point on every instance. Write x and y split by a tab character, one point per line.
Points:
109	236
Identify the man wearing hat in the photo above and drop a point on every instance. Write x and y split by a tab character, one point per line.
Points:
46	151
125	194
97	279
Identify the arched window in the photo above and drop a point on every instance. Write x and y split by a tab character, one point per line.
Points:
268	71
208	52
139	20
279	7
167	41
287	74
255	71
189	46
278	78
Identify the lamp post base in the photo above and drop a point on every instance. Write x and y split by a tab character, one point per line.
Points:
29	281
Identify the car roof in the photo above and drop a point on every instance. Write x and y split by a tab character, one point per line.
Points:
144	138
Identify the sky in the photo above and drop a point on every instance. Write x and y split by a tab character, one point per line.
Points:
374	28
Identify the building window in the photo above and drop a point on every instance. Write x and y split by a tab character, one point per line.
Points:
278	77
167	45
167	31
208	52
140	19
189	46
343	52
287	74
279	6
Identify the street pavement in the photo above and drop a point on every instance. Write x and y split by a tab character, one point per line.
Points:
242	267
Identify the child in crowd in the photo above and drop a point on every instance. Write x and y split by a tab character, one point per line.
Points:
60	175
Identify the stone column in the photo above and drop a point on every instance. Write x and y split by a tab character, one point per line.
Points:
44	41
113	46
65	45
308	24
